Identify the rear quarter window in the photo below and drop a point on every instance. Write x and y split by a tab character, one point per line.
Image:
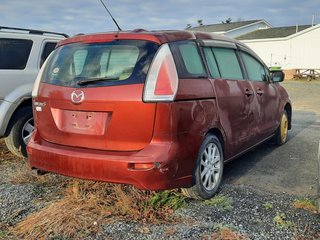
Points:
14	53
188	60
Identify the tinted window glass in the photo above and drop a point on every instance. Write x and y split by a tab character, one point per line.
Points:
79	58
14	53
255	69
100	64
228	63
191	58
212	64
188	60
48	48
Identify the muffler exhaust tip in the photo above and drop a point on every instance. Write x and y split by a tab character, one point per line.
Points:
41	172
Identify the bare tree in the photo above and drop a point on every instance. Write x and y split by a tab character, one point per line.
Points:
228	20
200	22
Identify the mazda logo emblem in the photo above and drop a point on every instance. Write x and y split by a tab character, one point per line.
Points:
77	96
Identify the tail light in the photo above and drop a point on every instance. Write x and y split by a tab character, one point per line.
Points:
36	84
162	79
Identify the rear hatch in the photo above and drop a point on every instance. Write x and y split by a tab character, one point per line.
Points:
90	96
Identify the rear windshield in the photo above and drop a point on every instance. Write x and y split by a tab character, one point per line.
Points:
100	64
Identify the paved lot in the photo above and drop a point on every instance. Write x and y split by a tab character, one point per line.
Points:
291	168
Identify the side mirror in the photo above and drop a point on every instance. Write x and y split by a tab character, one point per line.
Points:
277	76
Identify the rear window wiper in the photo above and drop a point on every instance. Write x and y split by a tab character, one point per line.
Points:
90	80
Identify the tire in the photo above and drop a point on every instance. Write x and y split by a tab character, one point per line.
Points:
281	135
20	130
208	170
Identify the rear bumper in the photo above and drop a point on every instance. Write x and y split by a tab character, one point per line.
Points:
153	168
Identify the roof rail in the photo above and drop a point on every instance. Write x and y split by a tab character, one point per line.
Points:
32	31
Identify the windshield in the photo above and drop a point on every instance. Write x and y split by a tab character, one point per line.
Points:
100	64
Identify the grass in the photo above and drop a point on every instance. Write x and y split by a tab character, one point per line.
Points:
281	222
220	201
307	204
168	199
87	205
221	232
267	206
4	232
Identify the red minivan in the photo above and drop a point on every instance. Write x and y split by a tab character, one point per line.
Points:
155	109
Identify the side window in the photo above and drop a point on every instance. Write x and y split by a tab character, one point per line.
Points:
14	53
228	63
188	60
48	48
255	69
212	64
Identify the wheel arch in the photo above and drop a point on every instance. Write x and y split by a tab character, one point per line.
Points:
24	103
288	109
218	133
198	190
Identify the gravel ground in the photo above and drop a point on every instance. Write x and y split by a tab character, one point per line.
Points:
15	202
251	212
247	216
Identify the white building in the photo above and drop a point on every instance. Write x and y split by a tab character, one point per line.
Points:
291	48
296	47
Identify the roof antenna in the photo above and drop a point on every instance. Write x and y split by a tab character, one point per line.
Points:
111	16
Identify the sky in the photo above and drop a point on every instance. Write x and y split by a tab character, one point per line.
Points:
88	16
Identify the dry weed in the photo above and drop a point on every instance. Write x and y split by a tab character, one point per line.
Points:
86	206
306	204
310	236
4	232
5	154
306	234
226	233
170	231
22	174
66	217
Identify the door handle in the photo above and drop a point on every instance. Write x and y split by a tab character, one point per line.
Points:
248	92
260	92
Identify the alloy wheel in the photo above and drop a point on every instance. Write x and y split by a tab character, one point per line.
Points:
210	166
284	127
27	130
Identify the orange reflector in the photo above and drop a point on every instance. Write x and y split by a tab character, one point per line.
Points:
141	166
